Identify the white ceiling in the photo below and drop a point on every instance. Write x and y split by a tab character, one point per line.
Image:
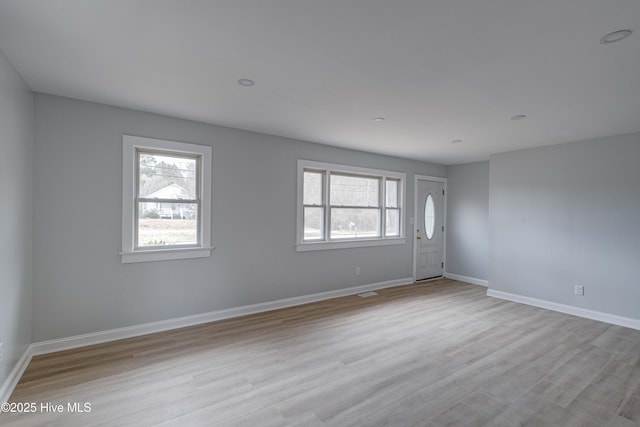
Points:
436	70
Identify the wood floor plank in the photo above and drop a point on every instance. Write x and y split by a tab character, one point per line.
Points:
439	353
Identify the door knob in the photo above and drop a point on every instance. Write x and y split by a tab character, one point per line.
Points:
418	238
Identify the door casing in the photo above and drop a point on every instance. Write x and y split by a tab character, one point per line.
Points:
417	178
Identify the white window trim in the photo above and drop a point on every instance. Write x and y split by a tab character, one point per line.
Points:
129	254
302	246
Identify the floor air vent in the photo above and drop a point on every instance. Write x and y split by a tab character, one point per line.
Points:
368	294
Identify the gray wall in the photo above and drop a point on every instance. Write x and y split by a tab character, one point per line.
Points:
16	150
80	284
566	215
468	220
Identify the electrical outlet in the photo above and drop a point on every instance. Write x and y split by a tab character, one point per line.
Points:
579	290
357	270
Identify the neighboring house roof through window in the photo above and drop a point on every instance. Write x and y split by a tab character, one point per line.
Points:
172	191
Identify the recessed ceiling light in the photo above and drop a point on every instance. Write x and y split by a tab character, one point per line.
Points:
456	141
246	82
518	117
616	36
378	119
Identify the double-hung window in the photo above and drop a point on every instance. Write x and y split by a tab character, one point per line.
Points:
166	200
344	206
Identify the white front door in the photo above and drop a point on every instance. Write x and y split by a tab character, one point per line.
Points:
429	230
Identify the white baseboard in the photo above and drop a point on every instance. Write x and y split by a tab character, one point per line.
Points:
568	309
76	341
16	373
467	279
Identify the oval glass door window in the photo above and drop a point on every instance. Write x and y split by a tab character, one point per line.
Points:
429	217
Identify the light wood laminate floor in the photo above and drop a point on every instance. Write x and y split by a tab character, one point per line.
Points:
433	354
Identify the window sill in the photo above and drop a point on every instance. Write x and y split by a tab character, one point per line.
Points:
321	246
165	254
